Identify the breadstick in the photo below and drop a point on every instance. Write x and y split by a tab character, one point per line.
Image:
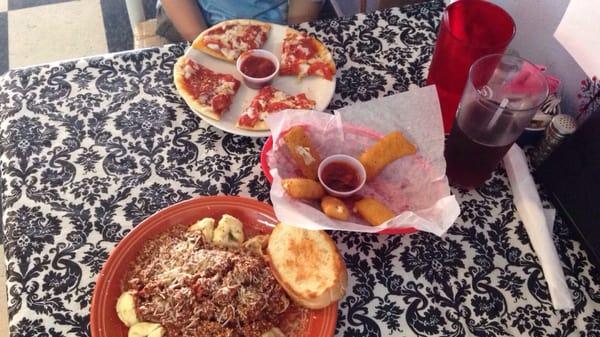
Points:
373	211
302	151
385	151
302	188
334	208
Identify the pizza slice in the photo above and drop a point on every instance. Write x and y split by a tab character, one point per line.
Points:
303	55
229	39
204	90
270	100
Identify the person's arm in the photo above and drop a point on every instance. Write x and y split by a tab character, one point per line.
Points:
303	10
186	17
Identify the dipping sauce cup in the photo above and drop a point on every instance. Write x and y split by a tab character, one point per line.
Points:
341	175
258	67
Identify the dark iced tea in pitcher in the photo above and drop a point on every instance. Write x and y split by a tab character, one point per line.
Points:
501	96
469	163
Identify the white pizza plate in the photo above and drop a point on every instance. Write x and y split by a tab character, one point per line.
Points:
316	88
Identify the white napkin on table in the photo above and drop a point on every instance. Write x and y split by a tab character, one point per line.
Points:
529	207
579	33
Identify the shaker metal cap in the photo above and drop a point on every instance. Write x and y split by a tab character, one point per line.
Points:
564	124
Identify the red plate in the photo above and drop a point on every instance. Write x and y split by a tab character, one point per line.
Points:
265	167
257	217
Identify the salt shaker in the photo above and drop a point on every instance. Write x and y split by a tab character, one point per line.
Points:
560	127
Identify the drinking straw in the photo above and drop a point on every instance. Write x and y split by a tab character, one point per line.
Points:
498	112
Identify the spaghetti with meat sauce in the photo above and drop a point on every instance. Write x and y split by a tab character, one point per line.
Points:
193	287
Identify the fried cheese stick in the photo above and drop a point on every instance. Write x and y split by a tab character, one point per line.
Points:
385	151
373	211
334	208
302	188
302	151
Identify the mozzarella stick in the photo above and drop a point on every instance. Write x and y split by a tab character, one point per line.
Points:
334	208
373	211
302	188
385	151
302	151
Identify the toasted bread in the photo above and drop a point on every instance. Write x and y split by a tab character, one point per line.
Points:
308	266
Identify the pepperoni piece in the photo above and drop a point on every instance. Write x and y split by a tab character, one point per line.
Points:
244	37
220	103
203	84
300	47
246	120
200	84
306	49
304	101
276	106
265	101
305	55
268	91
289	68
321	68
252	34
230	78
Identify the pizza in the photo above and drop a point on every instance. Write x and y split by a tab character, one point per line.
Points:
204	90
303	55
269	100
227	40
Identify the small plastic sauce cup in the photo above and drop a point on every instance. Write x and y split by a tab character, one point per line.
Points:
342	175
253	61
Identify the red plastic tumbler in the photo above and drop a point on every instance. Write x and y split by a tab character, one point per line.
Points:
469	29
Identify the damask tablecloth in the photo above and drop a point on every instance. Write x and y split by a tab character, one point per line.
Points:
89	148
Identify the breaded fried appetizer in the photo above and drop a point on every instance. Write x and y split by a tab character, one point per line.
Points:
373	211
302	151
334	208
302	188
385	151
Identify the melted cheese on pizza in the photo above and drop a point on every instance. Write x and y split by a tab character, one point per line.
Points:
233	39
212	91
270	100
303	55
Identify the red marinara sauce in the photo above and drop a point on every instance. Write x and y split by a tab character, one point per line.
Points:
257	66
340	176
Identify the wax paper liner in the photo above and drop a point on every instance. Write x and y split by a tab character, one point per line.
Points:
410	186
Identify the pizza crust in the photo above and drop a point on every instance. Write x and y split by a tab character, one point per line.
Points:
206	110
200	45
325	55
259	126
199	41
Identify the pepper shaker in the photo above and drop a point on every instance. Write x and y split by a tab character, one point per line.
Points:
559	128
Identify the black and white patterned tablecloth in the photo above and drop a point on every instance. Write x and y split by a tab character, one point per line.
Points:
89	148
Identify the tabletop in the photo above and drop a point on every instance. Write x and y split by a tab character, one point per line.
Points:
89	148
